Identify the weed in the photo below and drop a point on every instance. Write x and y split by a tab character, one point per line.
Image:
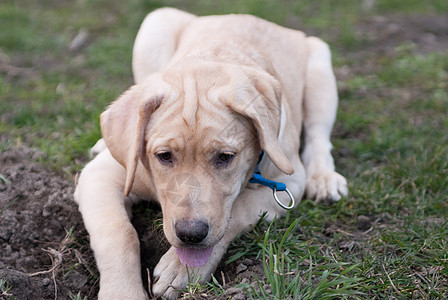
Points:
4	289
77	296
195	287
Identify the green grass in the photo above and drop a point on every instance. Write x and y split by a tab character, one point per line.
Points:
390	138
4	289
77	296
295	269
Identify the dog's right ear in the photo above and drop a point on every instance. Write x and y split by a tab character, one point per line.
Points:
123	127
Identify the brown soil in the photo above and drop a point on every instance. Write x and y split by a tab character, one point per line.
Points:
39	257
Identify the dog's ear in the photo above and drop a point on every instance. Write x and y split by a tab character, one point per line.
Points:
261	103
123	127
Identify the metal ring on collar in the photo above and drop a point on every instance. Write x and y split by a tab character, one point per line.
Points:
291	203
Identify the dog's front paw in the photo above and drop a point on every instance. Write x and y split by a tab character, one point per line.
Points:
171	276
326	185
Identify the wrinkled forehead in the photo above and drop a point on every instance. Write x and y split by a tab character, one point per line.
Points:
207	124
194	110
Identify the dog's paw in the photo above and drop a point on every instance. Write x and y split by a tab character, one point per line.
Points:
171	276
326	185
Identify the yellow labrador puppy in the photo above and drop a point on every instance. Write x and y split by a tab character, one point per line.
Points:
211	131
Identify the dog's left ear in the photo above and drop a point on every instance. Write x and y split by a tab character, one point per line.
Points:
123	127
261	103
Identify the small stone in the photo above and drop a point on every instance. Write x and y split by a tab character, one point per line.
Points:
233	290
239	296
46	281
79	41
241	268
75	280
248	262
8	249
364	222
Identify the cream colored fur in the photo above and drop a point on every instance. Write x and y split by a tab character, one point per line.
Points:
204	86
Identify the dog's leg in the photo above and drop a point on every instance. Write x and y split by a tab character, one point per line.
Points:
320	105
171	276
157	40
114	240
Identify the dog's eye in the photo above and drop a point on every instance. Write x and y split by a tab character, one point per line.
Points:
224	158
165	156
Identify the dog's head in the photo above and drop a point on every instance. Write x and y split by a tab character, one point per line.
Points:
197	130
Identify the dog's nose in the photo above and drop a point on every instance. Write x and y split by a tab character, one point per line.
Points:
191	231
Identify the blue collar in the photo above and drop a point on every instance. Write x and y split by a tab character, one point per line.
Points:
275	186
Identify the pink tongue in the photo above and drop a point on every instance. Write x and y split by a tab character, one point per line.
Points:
194	257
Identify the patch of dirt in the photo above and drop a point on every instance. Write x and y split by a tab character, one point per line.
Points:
380	36
43	246
428	32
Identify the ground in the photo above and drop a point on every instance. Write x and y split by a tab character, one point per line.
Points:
44	247
37	229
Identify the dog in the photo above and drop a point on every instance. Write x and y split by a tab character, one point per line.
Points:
213	123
